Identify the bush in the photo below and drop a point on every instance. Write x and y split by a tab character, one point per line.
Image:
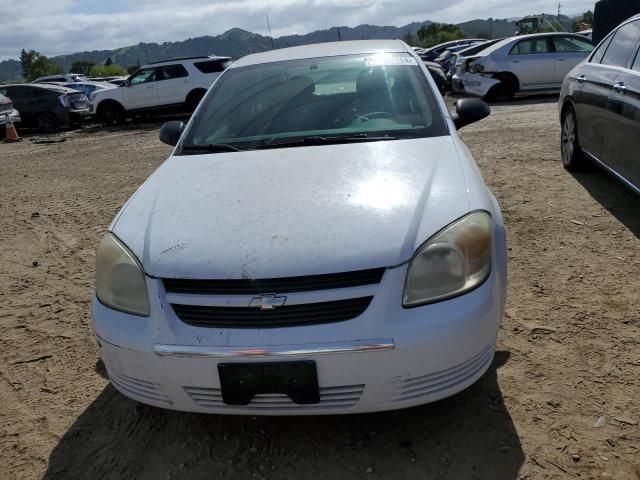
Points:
112	70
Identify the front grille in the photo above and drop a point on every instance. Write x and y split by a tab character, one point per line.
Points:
341	397
285	316
274	285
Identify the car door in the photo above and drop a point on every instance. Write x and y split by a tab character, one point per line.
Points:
172	83
141	89
591	85
532	61
569	51
617	119
622	140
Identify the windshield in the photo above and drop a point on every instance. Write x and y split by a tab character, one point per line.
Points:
360	96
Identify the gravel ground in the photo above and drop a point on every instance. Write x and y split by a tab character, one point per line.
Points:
560	401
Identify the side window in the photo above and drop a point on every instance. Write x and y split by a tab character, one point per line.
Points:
572	44
530	47
635	66
171	71
623	45
602	48
212	66
144	75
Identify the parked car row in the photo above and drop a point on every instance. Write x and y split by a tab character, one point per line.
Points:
499	69
57	101
47	107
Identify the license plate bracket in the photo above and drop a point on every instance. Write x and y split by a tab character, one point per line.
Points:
241	381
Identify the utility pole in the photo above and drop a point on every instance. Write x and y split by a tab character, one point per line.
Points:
270	36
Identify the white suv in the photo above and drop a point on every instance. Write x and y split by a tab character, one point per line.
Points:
176	85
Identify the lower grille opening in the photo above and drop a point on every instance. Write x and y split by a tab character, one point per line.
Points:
285	316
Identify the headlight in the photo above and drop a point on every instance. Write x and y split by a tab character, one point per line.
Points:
453	262
120	282
476	68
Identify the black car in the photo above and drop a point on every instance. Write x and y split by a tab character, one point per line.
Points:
600	107
47	107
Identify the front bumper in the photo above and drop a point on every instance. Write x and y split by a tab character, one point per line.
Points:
477	84
387	358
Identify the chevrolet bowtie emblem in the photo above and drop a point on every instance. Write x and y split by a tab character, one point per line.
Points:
267	302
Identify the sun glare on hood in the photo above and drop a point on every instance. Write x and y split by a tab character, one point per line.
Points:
382	191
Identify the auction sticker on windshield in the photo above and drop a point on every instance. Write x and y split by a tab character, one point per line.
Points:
389	60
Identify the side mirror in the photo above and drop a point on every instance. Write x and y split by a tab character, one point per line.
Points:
170	132
470	110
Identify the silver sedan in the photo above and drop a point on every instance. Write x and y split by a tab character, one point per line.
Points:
527	63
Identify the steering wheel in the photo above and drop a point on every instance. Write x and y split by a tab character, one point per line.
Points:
372	115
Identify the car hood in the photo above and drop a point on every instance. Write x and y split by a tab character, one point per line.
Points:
294	211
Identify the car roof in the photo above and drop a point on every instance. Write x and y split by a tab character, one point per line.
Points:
316	50
183	59
509	40
44	86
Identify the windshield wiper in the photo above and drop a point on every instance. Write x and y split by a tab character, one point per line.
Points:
319	140
210	148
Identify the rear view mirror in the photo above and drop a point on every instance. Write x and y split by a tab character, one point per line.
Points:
470	110
170	132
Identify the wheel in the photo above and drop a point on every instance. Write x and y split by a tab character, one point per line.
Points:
503	91
111	113
572	156
193	100
48	122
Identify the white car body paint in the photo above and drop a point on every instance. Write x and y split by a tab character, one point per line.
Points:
296	212
476	84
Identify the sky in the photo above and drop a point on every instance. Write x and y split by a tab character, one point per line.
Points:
55	27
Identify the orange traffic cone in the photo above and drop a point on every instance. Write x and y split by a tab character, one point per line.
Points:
12	134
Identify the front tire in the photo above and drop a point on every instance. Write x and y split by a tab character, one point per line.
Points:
572	156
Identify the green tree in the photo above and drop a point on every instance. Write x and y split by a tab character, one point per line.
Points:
82	66
436	33
35	65
26	59
410	39
113	70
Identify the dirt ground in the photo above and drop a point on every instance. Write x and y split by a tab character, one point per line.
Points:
560	401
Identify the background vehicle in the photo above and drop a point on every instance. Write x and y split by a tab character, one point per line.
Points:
47	107
174	85
431	53
62	78
7	109
462	57
438	75
600	107
528	63
85	87
447	58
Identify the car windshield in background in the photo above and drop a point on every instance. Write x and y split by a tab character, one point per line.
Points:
320	100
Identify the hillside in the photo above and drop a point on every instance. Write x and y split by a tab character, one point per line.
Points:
237	43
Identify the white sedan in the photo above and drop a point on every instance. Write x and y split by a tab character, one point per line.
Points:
320	241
